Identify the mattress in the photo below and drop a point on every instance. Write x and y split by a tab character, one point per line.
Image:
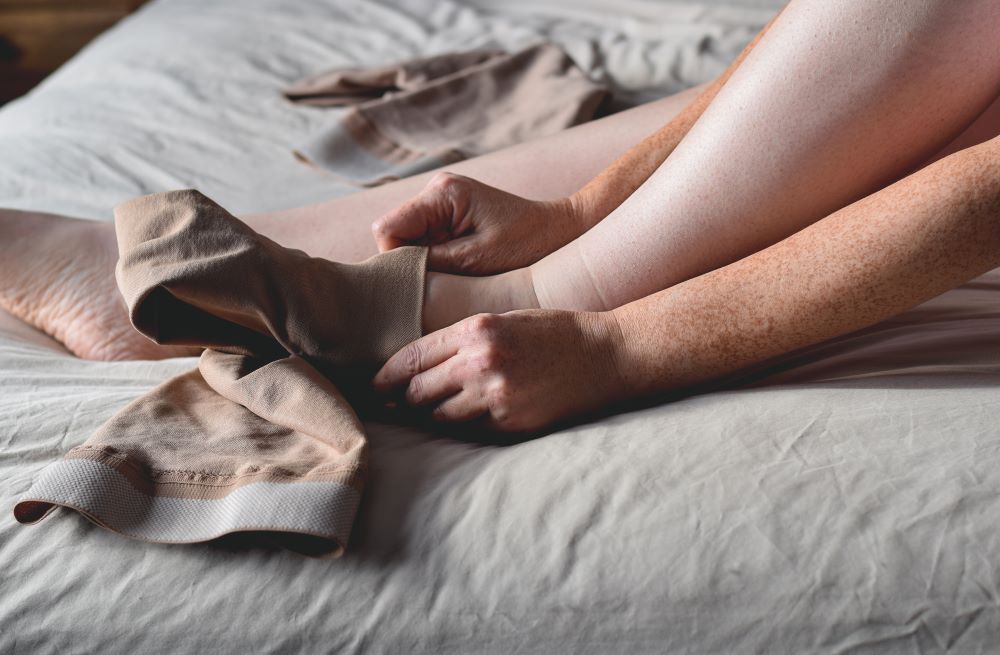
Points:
844	499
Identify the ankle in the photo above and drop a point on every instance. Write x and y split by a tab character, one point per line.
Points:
514	290
450	298
563	281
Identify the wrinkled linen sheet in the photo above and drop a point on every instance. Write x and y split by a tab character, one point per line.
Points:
848	503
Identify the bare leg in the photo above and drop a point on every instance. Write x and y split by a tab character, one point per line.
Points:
804	127
451	298
57	273
547	168
781	146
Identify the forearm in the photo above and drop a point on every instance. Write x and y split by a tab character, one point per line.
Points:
604	193
871	260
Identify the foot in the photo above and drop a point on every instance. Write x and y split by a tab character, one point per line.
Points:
57	274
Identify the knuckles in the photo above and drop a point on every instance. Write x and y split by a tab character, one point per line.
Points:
483	326
467	259
490	370
411	359
446	183
504	402
415	390
486	360
505	411
484	334
498	403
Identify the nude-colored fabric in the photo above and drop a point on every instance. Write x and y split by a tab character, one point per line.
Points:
350	86
439	110
261	415
850	505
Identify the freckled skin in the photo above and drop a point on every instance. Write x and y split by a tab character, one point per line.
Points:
472	228
615	184
491	367
871	260
875	258
513	232
678	281
836	101
732	223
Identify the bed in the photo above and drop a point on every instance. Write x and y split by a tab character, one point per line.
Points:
843	500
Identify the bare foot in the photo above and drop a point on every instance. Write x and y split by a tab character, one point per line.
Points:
57	274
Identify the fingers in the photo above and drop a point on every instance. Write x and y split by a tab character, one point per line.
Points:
463	255
428	218
460	369
463	406
415	358
435	384
402	226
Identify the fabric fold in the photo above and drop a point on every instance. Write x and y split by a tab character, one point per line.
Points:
412	117
349	86
261	436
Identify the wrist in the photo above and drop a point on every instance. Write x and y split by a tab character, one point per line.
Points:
574	212
609	352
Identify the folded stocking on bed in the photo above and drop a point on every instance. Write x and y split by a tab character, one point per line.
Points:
351	86
260	436
442	109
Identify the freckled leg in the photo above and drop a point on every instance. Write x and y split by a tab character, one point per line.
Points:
450	298
836	101
894	249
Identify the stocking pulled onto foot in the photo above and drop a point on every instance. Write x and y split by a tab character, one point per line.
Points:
259	437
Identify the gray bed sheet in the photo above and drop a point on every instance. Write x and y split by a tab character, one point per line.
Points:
847	501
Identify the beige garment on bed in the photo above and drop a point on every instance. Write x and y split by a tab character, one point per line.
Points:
260	437
419	115
340	87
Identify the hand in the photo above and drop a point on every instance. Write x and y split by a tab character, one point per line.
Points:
521	371
477	229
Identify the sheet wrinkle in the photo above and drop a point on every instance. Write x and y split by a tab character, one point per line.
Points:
649	580
965	621
790	446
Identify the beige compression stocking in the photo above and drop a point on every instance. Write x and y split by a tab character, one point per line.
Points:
259	437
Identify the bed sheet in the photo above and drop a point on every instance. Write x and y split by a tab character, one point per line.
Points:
846	502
